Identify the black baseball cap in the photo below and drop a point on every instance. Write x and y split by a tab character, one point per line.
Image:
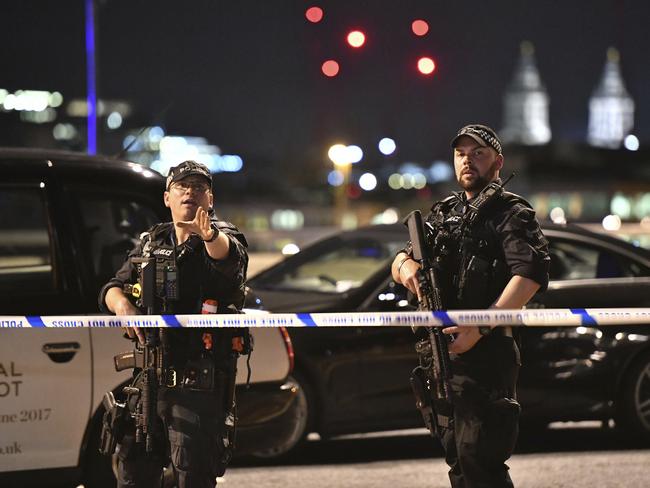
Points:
188	168
482	134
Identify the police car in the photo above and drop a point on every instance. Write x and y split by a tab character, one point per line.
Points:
67	222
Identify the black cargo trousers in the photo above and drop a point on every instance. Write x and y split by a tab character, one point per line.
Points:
192	424
483	430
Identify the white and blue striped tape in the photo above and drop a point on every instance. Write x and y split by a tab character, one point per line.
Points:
531	318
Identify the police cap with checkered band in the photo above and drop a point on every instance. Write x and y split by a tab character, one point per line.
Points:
482	134
185	169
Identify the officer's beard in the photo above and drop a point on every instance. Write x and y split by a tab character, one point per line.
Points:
481	181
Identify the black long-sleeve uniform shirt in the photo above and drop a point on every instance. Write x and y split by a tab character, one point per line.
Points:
200	277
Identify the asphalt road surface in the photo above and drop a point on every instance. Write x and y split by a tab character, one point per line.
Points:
569	457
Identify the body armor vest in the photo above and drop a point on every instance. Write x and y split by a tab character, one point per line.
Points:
469	257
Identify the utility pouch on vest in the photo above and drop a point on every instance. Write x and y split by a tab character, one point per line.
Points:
199	374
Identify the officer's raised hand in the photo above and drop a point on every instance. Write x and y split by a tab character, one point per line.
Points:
216	243
200	225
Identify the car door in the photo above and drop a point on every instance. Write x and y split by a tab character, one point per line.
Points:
45	397
388	359
566	370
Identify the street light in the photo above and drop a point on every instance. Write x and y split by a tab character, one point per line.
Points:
343	157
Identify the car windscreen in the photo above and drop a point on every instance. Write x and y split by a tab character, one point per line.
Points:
332	266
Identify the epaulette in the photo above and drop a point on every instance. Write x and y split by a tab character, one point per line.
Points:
161	228
509	200
230	228
450	201
514	198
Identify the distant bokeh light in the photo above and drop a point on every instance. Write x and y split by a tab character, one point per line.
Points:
330	68
612	222
390	216
426	66
56	99
387	146
440	171
395	181
356	38
314	14
341	154
557	215
353	191
287	219
355	154
419	181
64	132
335	178
290	249
338	154
631	142
114	120
368	181
407	181
419	27
621	206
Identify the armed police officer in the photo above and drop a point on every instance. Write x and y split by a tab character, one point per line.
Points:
184	409
487	252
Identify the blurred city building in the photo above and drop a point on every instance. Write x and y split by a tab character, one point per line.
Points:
611	109
526	103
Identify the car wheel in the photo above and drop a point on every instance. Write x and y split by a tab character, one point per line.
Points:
634	414
302	426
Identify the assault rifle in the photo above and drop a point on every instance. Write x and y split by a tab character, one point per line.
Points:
430	380
155	275
150	358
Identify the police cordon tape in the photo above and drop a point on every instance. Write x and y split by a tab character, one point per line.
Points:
567	317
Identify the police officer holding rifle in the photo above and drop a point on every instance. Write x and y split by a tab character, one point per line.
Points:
478	248
181	404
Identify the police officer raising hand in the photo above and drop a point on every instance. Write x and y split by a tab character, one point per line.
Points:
200	265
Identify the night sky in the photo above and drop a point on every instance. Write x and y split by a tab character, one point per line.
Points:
246	74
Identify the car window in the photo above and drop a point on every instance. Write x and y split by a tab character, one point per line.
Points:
111	225
336	267
25	247
575	260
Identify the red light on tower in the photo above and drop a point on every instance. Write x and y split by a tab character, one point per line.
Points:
419	27
356	39
314	14
330	68
426	66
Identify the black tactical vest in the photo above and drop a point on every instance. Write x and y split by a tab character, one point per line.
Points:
470	258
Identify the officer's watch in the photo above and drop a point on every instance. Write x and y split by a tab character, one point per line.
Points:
484	330
215	234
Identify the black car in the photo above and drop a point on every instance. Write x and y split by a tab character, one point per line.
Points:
66	223
356	378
